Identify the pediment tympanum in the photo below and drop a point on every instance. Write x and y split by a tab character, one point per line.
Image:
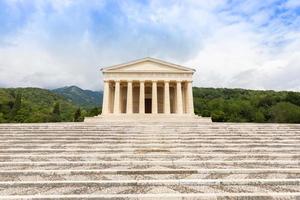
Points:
148	65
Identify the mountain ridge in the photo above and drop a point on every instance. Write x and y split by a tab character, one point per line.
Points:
80	97
35	105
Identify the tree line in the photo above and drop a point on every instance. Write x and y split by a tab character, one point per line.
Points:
29	105
240	105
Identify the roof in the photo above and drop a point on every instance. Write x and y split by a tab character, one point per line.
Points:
147	59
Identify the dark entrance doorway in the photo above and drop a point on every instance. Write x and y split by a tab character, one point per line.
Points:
148	105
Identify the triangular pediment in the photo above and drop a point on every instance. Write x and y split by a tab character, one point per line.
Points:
147	65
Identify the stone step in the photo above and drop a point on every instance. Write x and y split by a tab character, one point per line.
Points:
152	145
126	138
153	140
142	151
146	174
215	126
97	140
183	125
185	164
187	123
150	186
143	134
103	143
159	162
159	171
167	196
137	160
145	157
148	130
157	134
134	129
148	135
131	159
166	137
146	127
164	146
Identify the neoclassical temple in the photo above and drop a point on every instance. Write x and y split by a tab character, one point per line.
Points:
147	86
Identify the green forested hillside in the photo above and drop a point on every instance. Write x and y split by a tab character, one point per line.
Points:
228	105
37	105
239	105
80	97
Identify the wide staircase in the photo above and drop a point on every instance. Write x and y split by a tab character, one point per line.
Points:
149	160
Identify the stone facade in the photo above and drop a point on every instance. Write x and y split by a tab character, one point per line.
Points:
148	86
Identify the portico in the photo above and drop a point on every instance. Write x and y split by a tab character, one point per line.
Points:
147	86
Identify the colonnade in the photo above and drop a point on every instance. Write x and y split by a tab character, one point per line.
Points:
183	97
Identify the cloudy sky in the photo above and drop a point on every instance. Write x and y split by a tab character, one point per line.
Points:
231	43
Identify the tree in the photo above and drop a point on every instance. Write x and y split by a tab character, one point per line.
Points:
77	116
259	117
16	106
285	112
218	116
266	101
247	112
93	112
205	113
2	120
56	113
293	98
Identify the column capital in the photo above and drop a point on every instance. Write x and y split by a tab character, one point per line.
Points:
166	81
154	81
129	81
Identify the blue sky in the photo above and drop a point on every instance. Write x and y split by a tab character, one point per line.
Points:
231	43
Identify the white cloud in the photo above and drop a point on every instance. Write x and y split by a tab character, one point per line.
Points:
246	44
292	4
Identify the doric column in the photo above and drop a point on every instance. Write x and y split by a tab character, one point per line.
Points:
167	98
142	98
190	101
105	103
179	98
154	97
129	98
117	98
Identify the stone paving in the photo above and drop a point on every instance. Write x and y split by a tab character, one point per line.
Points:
149	160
